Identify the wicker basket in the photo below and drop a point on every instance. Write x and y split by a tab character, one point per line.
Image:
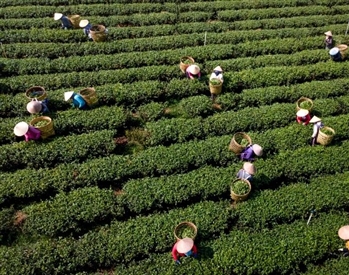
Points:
40	91
302	99
235	146
185	224
184	66
215	89
324	139
89	95
75	20
343	50
46	130
98	33
237	197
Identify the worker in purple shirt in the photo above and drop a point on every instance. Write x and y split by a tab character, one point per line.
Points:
78	100
247	172
35	106
251	151
86	25
29	132
66	23
193	71
329	40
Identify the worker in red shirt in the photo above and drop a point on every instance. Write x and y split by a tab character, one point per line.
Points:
303	116
184	247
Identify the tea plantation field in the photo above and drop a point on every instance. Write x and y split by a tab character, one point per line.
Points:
104	194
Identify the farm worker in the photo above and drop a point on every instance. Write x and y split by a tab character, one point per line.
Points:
66	24
316	128
247	171
29	132
303	116
329	40
35	106
85	24
193	71
217	73
184	247
78	100
251	151
343	233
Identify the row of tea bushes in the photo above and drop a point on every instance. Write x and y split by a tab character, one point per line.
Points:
54	50
70	149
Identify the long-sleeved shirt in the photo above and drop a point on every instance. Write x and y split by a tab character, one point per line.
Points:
32	134
247	154
66	24
242	174
176	254
303	119
217	74
329	42
78	101
317	126
192	76
44	108
87	29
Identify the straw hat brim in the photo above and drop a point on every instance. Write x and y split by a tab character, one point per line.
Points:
57	16
34	107
257	149
302	112
193	69
185	245
21	129
315	119
343	232
218	68
249	168
83	23
329	33
68	95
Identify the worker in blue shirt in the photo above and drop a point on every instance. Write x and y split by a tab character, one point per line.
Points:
78	100
66	23
86	25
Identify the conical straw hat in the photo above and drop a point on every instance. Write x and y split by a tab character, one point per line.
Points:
249	168
302	112
21	129
83	23
315	119
218	68
57	16
257	149
185	245
194	69
68	95
343	232
34	107
329	33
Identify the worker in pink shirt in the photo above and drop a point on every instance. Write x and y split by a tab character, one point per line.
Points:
29	132
184	247
303	117
193	71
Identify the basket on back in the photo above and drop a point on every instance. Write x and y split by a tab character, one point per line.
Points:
240	197
304	103
325	138
37	92
98	33
183	225
343	50
46	127
235	143
89	95
75	20
185	62
215	86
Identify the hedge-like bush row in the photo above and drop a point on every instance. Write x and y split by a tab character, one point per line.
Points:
169	131
70	149
126	60
71	212
336	266
285	249
181	158
6	223
54	36
72	121
119	242
54	50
